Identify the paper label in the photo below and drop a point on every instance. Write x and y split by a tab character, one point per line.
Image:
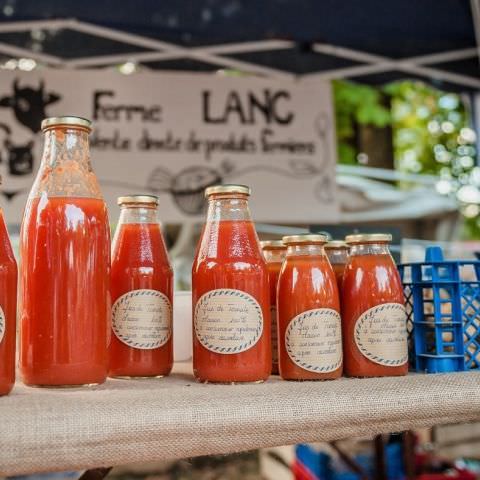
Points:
228	321
313	340
3	325
142	319
381	334
274	333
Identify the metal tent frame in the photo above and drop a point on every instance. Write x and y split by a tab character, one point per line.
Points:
153	50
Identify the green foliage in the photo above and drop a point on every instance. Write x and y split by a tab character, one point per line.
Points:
430	135
359	104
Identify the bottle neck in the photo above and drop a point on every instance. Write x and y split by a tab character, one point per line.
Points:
305	249
337	256
63	145
369	249
65	170
228	207
138	214
274	255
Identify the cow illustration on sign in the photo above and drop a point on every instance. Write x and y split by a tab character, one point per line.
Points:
19	158
28	104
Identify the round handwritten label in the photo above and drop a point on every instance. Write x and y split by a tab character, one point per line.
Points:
142	319
313	340
274	333
381	334
2	324
228	321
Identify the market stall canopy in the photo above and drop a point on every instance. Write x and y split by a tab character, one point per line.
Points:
372	41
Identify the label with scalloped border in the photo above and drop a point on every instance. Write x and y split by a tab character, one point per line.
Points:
381	334
142	319
313	340
228	321
3	325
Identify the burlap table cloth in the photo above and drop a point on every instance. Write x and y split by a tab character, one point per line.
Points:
143	420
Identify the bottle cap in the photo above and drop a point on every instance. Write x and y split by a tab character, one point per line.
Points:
67	121
368	238
272	244
129	199
306	238
332	244
219	189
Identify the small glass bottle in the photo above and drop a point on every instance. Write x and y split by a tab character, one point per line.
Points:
337	253
274	252
373	310
8	310
230	294
65	265
142	293
309	324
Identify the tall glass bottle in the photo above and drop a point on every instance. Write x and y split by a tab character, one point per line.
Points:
142	293
8	310
230	290
65	264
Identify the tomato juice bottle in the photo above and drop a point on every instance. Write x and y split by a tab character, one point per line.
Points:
230	294
142	293
337	253
8	310
64	305
308	309
373	310
274	252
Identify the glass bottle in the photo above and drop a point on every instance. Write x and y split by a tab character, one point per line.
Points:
309	324
8	310
142	293
373	310
65	264
230	294
274	252
337	253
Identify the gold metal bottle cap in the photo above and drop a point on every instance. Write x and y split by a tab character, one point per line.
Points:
219	189
130	199
272	244
333	244
67	121
306	238
368	238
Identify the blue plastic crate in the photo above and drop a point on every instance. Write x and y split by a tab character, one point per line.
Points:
443	313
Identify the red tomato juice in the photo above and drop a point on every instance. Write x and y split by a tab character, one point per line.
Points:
8	304
140	261
65	303
229	257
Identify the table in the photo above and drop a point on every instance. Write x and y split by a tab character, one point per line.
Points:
128	421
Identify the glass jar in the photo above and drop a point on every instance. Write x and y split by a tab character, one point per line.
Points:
230	294
8	310
142	293
309	324
274	252
373	310
337	253
65	265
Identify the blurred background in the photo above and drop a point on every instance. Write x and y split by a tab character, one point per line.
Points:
401	82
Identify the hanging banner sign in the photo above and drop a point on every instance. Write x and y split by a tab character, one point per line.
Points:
173	135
